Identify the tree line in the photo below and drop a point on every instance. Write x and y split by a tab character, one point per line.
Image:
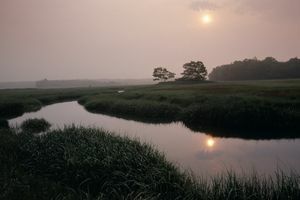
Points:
247	69
254	69
193	71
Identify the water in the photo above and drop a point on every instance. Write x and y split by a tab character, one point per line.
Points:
195	151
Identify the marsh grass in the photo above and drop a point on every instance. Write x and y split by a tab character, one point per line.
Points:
87	163
15	102
257	110
259	107
35	125
139	110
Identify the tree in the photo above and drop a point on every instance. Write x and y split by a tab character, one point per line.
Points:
162	74
194	71
254	69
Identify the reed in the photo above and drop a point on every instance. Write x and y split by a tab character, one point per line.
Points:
88	163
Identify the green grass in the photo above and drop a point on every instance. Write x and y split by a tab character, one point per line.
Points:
85	163
249	109
228	109
14	102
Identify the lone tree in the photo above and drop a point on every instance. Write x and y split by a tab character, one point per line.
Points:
194	71
162	74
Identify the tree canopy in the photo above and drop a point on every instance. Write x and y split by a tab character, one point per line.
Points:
162	74
254	69
194	71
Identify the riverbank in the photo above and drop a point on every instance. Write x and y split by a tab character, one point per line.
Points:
15	102
246	109
85	163
266	109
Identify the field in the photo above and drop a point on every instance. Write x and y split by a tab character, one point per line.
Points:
84	163
249	109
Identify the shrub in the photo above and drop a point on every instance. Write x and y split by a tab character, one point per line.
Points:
35	125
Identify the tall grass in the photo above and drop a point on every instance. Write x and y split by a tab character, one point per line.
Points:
202	112
140	110
86	163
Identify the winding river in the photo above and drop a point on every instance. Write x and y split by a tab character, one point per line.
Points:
195	151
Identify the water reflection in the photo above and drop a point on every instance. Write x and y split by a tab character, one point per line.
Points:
199	152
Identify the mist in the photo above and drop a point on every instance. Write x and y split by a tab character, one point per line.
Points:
93	39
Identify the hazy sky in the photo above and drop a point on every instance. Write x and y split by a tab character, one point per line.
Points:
67	39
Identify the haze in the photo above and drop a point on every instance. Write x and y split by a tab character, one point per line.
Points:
70	39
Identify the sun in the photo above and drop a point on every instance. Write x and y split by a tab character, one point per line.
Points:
206	19
210	142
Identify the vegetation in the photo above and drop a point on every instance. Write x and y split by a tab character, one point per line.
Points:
3	124
254	69
84	163
194	71
248	109
266	109
162	74
15	102
35	125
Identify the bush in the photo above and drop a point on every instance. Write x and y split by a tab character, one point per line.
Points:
35	125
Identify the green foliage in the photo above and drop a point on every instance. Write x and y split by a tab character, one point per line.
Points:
194	71
253	69
162	74
35	125
85	163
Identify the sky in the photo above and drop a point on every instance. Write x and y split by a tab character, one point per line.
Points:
95	39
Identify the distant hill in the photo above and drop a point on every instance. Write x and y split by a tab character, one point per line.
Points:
91	83
254	69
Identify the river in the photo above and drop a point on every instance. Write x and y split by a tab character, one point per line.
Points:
195	151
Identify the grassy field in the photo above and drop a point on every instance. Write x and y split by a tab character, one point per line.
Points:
84	163
249	109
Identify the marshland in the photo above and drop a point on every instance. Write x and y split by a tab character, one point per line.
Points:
144	142
149	100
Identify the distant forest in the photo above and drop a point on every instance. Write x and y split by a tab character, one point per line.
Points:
254	69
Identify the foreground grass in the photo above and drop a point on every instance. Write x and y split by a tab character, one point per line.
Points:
85	163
